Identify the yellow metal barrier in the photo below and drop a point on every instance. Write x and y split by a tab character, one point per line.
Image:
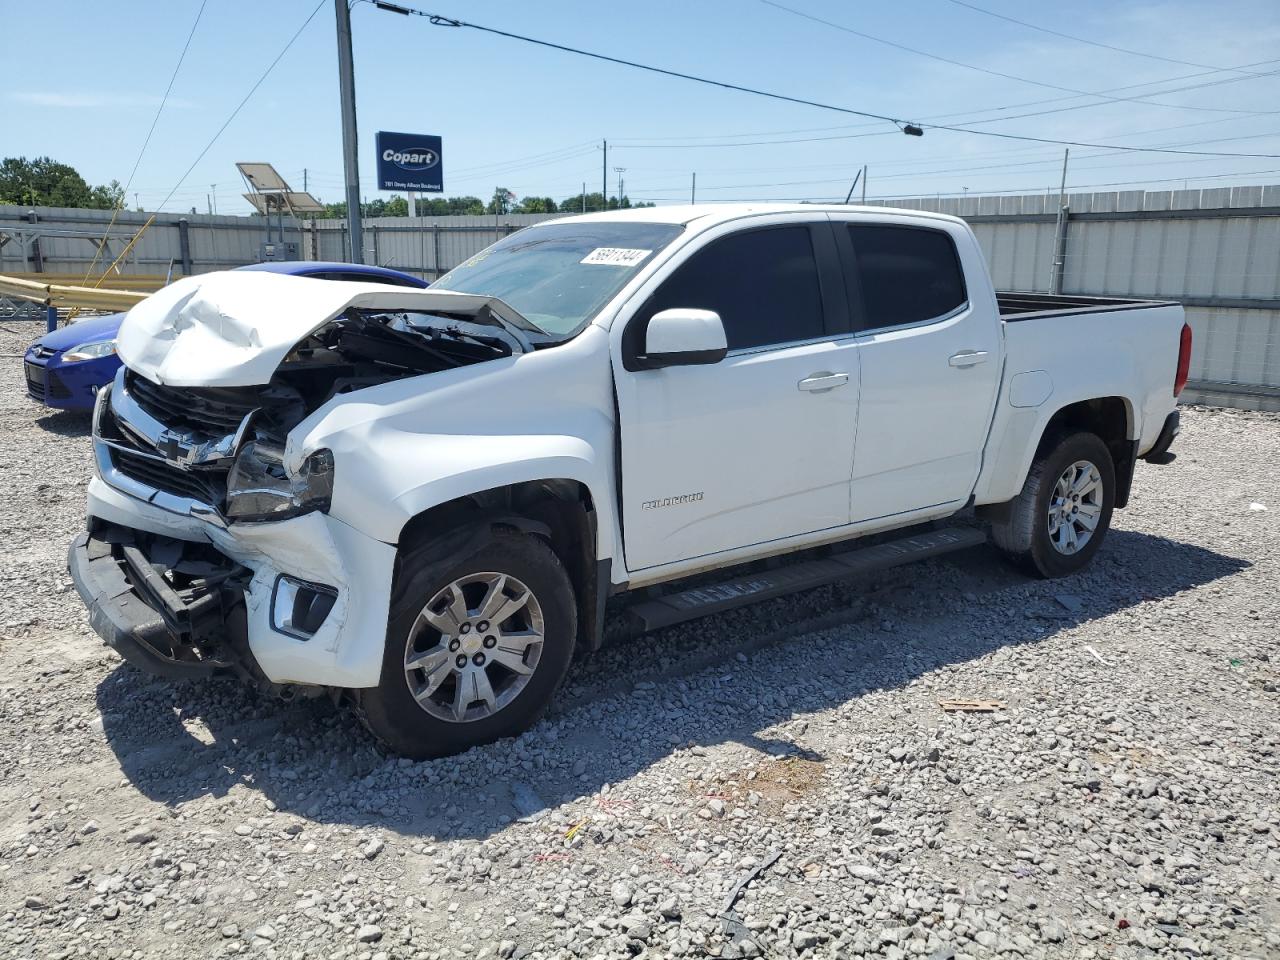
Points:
67	295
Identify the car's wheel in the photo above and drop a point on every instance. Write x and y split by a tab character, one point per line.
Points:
1058	521
475	647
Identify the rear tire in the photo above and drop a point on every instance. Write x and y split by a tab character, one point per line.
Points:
475	647
1059	520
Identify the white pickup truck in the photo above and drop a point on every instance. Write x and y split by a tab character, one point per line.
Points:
424	498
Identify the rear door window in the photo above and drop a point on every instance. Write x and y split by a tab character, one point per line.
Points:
906	275
763	283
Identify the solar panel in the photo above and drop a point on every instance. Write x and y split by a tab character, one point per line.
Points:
262	176
303	202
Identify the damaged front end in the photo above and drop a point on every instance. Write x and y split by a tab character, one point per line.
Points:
219	452
209	547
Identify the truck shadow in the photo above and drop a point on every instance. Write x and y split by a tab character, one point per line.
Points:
179	742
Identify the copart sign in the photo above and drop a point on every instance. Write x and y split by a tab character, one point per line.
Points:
410	161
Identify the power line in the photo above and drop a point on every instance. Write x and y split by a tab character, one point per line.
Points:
147	140
906	126
926	194
240	105
1092	43
165	99
989	72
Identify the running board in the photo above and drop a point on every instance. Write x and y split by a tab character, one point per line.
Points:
765	585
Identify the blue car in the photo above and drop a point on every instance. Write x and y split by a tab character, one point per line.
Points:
64	369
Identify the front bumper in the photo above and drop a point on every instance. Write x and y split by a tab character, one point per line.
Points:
346	650
66	386
184	630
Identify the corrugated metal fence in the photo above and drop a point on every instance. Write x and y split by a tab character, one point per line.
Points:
63	241
1217	251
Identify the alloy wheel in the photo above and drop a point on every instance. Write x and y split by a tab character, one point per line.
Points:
473	647
1075	507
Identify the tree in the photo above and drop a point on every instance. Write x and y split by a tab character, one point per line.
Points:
45	182
107	197
502	201
595	202
396	207
536	205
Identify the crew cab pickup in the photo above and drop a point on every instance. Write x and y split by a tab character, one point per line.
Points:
424	498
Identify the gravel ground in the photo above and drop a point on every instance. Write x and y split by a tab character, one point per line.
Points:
1122	801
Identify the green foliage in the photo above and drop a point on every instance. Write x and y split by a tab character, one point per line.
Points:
502	202
536	205
45	182
450	206
594	202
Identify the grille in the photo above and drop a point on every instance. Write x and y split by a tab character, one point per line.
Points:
57	389
207	410
207	486
35	380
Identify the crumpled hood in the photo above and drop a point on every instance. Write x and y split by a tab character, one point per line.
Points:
233	329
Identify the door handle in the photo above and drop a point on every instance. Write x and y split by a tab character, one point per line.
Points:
967	358
821	382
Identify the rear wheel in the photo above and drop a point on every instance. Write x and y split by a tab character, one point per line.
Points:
1057	523
475	648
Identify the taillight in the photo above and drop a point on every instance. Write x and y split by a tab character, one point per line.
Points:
1184	360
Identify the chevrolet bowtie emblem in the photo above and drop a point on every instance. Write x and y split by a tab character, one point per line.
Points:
169	446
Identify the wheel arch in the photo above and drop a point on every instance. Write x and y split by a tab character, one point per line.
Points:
1020	435
1111	419
562	511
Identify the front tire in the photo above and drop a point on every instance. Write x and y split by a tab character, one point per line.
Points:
1059	520
475	647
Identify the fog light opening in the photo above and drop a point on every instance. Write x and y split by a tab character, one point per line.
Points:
298	608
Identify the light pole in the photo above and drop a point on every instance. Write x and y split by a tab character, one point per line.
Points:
350	143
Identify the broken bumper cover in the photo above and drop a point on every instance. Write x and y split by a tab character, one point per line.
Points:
315	550
188	628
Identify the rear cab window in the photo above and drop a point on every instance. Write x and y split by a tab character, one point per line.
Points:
901	275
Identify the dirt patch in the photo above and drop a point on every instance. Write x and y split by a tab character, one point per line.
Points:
770	784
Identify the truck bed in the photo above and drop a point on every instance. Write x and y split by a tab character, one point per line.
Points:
1025	306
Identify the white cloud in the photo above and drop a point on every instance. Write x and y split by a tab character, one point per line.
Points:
90	100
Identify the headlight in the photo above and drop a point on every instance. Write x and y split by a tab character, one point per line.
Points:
94	350
259	487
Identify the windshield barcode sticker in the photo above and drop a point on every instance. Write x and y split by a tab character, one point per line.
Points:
615	256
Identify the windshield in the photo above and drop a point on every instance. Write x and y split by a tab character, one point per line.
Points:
560	274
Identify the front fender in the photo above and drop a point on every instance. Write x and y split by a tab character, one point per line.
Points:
404	447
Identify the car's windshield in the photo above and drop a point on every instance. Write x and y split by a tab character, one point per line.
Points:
560	274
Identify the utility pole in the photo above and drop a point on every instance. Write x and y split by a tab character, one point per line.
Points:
604	176
619	171
304	179
350	142
213	192
584	196
693	188
864	183
1060	232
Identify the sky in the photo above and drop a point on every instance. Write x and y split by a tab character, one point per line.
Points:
532	119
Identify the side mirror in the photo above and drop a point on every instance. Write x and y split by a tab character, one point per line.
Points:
682	337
